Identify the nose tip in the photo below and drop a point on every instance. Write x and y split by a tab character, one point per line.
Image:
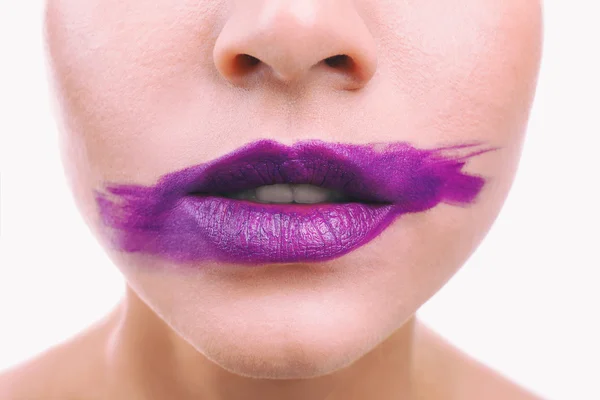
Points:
288	40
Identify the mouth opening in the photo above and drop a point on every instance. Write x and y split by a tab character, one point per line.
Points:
290	194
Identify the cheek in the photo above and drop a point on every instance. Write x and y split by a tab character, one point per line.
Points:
448	73
462	69
110	62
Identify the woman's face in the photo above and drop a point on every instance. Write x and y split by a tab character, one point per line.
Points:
144	89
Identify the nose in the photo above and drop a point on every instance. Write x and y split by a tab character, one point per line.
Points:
290	40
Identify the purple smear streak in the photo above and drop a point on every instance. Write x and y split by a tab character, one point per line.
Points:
182	218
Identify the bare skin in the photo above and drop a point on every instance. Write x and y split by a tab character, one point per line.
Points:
142	91
132	354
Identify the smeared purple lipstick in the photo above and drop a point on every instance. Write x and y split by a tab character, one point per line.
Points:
194	215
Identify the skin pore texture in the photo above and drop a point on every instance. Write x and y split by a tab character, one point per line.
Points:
143	91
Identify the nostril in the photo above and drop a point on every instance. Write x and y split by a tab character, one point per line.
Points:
340	61
244	63
247	59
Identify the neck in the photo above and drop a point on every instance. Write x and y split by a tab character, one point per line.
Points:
146	357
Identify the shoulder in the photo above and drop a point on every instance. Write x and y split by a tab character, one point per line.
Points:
63	372
33	379
445	372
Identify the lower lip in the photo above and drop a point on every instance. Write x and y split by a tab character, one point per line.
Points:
218	228
286	232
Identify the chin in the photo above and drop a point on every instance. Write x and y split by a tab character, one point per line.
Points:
253	328
292	349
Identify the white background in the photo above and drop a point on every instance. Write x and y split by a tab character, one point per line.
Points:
527	303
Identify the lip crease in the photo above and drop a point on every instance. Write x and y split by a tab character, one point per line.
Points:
185	217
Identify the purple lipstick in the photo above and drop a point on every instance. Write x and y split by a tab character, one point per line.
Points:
227	210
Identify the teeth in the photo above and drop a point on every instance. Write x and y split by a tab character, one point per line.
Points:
289	193
309	194
281	193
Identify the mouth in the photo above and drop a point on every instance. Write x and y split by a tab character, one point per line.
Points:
271	203
285	193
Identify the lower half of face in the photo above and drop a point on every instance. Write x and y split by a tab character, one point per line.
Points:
417	106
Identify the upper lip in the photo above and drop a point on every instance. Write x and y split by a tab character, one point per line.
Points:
267	163
358	171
